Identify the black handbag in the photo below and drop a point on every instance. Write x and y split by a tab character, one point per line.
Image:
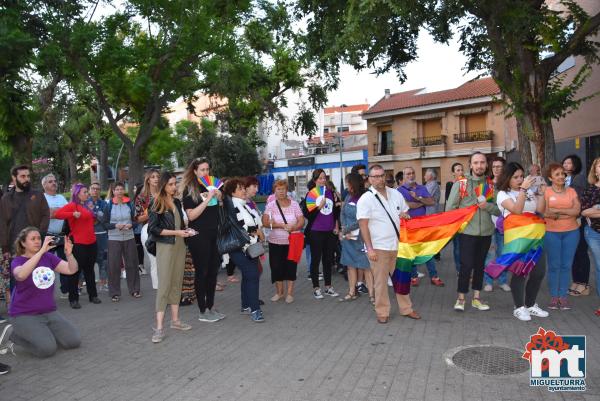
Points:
151	245
230	236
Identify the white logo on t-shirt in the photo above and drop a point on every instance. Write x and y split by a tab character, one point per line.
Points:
43	277
328	208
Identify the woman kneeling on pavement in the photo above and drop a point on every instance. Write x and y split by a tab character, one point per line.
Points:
37	325
516	197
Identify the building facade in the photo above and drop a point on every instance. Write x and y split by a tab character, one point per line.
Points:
436	129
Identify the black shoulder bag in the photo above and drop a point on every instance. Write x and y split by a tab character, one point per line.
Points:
388	214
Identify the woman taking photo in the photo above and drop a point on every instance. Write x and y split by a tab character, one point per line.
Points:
562	234
516	197
37	325
166	228
142	203
353	254
590	211
118	219
81	223
283	216
321	232
202	209
235	205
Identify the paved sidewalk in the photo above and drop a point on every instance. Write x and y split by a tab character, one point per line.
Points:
309	350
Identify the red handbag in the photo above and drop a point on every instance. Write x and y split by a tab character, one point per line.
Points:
296	246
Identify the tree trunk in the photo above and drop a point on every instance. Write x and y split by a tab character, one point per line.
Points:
542	138
550	150
523	135
72	161
22	149
103	161
136	167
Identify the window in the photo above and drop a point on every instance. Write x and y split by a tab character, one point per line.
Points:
384	143
344	128
475	122
432	128
326	130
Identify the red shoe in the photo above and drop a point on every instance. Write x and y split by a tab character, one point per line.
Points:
597	312
437	282
414	282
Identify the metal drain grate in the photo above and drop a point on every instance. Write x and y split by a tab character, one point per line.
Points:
491	360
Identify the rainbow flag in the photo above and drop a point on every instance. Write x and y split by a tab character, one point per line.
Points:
523	243
424	236
486	190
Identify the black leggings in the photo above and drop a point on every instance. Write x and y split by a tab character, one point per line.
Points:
85	255
581	261
205	256
282	269
322	247
525	294
139	248
473	250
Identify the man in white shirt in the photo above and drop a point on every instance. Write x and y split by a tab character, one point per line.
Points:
378	212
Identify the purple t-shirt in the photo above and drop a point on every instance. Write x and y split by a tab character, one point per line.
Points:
35	294
420	190
325	220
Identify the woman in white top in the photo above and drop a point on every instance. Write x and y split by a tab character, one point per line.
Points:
515	196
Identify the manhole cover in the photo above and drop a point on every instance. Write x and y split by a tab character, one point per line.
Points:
490	360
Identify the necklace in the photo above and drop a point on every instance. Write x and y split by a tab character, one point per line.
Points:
556	191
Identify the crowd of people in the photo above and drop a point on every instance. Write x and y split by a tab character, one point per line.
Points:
184	231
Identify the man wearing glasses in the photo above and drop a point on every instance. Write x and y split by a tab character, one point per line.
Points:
378	212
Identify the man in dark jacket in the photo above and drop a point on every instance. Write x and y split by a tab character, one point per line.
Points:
21	208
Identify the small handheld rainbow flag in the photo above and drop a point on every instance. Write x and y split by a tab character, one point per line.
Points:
523	243
424	236
210	182
312	196
485	189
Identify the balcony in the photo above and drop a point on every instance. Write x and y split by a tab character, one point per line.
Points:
473	136
387	148
428	141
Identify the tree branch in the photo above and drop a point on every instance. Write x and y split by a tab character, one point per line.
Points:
550	64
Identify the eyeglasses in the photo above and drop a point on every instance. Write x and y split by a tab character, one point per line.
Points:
377	176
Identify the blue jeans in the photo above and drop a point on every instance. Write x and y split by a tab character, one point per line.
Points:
498	239
560	249
307	253
592	238
456	252
430	269
250	279
101	256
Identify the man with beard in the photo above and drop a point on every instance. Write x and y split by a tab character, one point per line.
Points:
21	208
476	238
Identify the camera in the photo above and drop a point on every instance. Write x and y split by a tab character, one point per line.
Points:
57	241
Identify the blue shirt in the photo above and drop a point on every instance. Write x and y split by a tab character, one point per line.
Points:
419	190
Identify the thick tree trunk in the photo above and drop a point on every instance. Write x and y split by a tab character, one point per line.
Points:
22	149
136	166
72	161
103	161
523	135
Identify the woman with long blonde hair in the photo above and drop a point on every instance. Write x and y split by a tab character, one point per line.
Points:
142	203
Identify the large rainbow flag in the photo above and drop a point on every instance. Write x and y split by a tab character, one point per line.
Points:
523	242
424	236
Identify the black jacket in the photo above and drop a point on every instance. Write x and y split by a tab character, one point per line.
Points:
164	221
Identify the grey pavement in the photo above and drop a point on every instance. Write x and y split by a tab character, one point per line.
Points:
308	350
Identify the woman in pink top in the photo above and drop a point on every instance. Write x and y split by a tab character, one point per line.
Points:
562	234
282	216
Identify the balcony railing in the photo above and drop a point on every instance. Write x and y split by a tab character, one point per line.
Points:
387	148
473	136
428	141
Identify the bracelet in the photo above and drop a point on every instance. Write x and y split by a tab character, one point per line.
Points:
522	189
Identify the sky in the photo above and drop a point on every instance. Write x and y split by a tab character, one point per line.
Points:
437	67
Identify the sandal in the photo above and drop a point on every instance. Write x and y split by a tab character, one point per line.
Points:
597	312
219	287
115	298
577	289
372	299
136	294
349	297
233	279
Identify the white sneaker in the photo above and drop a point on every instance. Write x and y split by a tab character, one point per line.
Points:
331	292
522	314
390	284
123	274
535	310
488	288
419	274
318	294
505	287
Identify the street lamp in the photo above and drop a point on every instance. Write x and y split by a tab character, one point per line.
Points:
341	145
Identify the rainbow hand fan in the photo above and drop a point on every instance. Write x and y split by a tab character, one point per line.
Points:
210	182
486	190
313	198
